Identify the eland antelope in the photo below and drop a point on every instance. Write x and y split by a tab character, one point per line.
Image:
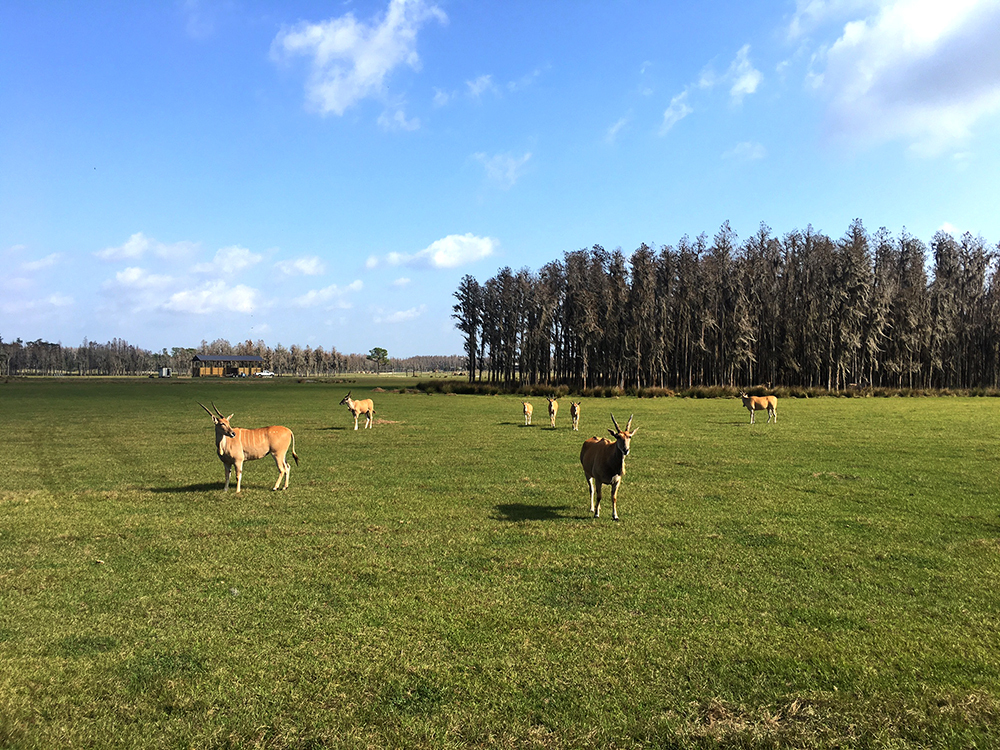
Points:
761	403
574	414
553	410
237	444
363	406
603	462
527	412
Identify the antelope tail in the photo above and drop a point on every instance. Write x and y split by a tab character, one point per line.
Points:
293	450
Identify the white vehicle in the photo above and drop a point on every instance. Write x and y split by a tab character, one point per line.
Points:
265	374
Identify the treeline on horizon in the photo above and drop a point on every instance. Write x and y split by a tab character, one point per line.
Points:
118	357
802	310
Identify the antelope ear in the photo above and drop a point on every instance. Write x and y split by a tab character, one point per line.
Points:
230	417
613	433
634	431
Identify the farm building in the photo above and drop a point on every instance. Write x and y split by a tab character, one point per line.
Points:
225	365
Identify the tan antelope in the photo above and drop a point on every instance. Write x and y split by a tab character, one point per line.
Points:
574	414
527	412
363	406
760	403
553	410
237	444
603	462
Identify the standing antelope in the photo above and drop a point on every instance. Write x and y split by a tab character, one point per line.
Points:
553	409
527	413
363	406
603	462
760	403
574	413
237	444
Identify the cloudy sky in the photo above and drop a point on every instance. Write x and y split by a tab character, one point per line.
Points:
324	173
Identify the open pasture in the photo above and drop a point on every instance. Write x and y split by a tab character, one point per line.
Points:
437	581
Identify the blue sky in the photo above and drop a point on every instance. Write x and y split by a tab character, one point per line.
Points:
324	173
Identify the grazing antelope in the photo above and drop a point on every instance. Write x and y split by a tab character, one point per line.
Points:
603	462
236	445
364	406
574	413
553	409
527	412
760	403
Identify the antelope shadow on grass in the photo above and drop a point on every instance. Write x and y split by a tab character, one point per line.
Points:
527	512
200	487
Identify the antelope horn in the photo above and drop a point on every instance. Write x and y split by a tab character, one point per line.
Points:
205	408
615	421
629	425
217	410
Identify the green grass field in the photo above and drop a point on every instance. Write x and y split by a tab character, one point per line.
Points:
438	582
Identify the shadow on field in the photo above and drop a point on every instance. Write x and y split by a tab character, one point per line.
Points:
525	512
203	487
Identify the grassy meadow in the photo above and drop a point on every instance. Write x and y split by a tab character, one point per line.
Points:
832	580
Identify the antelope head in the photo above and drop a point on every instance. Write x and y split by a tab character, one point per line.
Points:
623	438
221	423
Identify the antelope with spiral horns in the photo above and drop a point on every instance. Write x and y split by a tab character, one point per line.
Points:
527	412
362	406
603	462
237	444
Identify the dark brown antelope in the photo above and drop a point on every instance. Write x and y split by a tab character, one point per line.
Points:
574	414
761	403
553	410
603	462
363	406
237	444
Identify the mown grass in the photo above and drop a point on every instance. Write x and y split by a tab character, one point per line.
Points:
829	581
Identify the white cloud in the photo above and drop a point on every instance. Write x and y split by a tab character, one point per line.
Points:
42	263
139	244
612	133
441	98
214	297
503	169
744	76
330	297
350	60
396	120
920	71
138	278
481	85
307	266
449	252
401	282
402	316
229	260
746	151
677	111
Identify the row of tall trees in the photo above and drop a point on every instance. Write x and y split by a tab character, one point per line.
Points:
799	310
118	357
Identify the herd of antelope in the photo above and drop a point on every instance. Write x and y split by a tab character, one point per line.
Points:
602	459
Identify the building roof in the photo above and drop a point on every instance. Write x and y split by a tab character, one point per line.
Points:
227	358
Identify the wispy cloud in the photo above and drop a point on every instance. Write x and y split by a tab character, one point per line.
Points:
677	111
350	60
42	263
401	316
479	86
307	266
741	76
331	297
503	170
229	260
139	245
612	133
746	151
